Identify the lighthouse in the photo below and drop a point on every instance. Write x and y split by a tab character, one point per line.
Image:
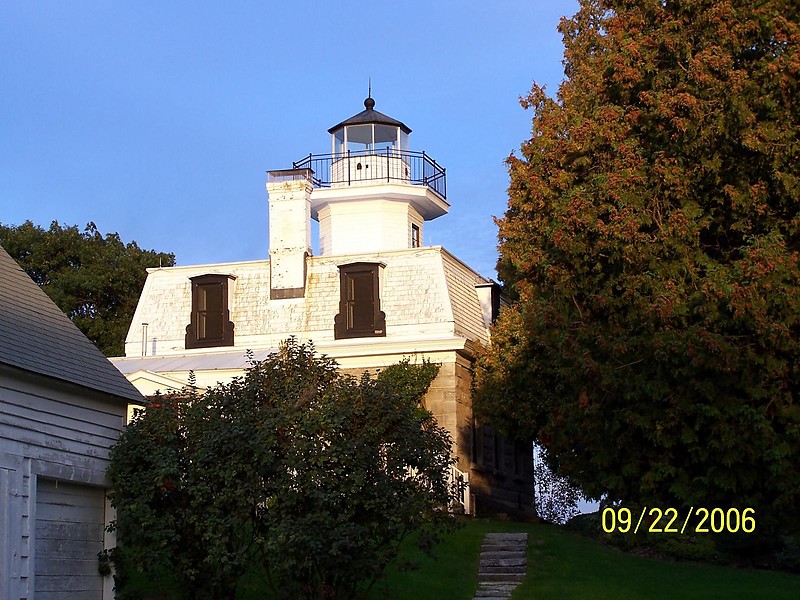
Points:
372	295
372	192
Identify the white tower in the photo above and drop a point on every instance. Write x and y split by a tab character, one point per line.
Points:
372	193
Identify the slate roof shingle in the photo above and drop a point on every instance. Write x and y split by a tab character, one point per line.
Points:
37	337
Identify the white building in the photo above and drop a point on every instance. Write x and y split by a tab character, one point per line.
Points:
373	296
62	406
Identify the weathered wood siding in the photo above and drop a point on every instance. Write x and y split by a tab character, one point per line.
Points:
70	521
5	527
49	432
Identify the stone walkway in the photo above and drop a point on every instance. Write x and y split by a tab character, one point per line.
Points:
502	565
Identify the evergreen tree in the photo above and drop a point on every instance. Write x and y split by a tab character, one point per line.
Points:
651	244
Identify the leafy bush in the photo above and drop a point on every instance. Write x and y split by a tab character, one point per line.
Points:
315	475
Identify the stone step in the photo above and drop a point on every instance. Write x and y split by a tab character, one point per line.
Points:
519	537
486	544
502	565
503	562
499	592
508	538
504	577
502	554
519	562
503	549
497	587
498	569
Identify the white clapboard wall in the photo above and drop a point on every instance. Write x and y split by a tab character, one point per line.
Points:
50	433
69	531
5	576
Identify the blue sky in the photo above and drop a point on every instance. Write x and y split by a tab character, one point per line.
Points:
158	120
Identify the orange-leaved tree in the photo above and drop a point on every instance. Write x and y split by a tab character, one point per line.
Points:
651	246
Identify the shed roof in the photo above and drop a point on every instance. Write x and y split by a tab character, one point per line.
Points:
37	337
234	359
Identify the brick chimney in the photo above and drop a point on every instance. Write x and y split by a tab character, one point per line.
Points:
289	193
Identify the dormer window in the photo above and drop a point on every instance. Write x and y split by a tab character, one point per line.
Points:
210	324
360	312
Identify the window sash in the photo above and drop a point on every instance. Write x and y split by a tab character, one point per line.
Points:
210	311
360	301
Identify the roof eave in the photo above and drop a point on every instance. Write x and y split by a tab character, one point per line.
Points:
368	116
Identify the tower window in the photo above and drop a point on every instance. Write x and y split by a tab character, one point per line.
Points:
360	312
210	323
415	237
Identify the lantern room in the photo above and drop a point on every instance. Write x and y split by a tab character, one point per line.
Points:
368	132
369	146
371	193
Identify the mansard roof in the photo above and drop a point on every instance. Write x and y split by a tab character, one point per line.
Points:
425	293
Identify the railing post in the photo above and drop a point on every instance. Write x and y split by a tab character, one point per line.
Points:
387	165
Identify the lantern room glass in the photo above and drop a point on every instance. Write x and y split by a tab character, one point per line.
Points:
367	138
338	142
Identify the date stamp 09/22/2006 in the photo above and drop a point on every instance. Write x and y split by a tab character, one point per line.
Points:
706	520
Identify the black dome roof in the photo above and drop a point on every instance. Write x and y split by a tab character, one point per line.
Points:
370	115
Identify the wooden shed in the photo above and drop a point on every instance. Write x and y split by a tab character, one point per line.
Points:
62	406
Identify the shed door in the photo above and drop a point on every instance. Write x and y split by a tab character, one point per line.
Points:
70	523
5	540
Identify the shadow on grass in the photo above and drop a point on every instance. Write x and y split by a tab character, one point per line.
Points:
561	566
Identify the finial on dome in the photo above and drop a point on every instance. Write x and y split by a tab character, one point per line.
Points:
369	103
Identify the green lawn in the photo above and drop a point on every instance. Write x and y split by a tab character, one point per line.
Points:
561	566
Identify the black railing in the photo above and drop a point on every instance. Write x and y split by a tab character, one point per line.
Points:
373	166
